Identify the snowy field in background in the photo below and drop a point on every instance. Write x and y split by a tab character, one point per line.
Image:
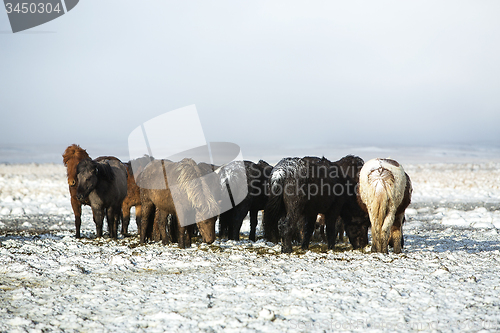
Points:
447	279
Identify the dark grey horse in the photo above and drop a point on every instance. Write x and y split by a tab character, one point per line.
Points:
300	188
104	183
257	177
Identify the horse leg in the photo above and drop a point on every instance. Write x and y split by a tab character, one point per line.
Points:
240	212
402	236
138	215
98	215
307	223
147	209
375	239
187	240
117	214
330	218
110	217
230	224
253	224
172	228
77	210
183	237
162	224
181	232
224	222
235	226
397	233
109	220
322	233
190	231
285	230
386	232
125	217
339	227
156	233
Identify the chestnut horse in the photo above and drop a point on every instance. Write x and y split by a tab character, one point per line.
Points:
71	157
385	192
133	198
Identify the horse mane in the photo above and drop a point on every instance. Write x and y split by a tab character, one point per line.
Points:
71	157
266	169
188	178
350	166
275	206
263	163
104	171
128	166
136	166
102	158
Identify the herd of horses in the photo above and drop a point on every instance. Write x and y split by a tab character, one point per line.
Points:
297	197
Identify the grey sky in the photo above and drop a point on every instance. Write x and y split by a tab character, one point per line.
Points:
278	74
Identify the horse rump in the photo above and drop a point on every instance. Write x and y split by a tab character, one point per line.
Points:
384	193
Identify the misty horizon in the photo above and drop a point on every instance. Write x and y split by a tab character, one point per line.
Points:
270	76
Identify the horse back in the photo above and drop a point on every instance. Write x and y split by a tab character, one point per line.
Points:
119	182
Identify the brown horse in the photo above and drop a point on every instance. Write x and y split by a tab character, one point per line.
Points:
133	199
177	189
71	157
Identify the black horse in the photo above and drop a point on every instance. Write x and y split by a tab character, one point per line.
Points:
257	177
300	188
104	183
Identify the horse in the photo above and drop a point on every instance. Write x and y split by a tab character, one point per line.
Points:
300	188
257	176
177	189
71	157
384	193
104	182
133	198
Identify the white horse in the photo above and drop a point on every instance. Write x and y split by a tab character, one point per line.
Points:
384	193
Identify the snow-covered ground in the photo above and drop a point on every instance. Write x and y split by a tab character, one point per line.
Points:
447	279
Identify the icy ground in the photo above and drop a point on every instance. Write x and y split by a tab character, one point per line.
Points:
447	279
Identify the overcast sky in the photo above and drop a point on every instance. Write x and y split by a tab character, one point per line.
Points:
274	74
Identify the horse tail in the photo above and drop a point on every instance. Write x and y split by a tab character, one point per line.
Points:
381	183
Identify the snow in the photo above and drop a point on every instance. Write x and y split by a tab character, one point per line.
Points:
446	279
455	182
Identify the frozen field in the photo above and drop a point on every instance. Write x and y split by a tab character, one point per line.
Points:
447	279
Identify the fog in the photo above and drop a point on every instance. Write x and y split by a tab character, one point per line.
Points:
273	76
